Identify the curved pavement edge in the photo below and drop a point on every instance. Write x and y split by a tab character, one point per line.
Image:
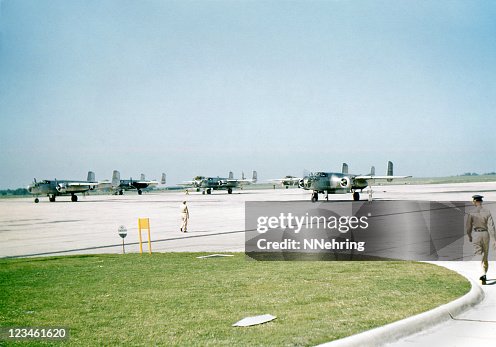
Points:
414	324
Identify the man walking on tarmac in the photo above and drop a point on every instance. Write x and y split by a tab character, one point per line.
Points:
480	228
184	216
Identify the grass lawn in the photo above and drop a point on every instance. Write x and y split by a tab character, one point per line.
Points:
175	299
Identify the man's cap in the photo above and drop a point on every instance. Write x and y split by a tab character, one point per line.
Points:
477	197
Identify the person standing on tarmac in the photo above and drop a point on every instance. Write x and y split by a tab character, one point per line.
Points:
480	228
185	217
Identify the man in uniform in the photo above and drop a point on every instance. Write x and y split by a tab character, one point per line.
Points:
184	216
479	227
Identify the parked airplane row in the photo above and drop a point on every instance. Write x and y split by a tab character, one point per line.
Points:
53	188
318	182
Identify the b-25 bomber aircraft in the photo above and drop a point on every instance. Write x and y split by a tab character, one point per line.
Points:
342	183
287	181
53	188
219	183
118	185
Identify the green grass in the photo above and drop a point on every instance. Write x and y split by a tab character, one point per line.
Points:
176	299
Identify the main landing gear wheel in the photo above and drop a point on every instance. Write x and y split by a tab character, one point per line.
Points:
139	192
121	192
73	198
356	196
36	200
229	190
209	191
51	198
315	197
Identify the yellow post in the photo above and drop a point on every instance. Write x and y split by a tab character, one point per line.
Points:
144	223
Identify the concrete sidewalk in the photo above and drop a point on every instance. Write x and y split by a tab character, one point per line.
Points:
474	327
473	321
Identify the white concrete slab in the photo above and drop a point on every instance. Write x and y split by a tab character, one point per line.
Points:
216	224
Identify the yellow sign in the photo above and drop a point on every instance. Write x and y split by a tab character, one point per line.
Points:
144	223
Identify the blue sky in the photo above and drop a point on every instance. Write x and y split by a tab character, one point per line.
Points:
204	87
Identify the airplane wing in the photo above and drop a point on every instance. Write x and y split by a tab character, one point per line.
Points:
104	185
75	186
82	184
150	183
369	177
289	179
239	181
372	176
186	183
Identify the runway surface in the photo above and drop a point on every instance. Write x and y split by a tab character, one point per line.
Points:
217	221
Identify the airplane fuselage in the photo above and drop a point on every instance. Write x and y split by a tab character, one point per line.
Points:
217	183
332	183
130	185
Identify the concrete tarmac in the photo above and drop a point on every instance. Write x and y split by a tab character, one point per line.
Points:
217	221
91	225
217	224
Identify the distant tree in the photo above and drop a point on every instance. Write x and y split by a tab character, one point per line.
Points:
21	191
15	192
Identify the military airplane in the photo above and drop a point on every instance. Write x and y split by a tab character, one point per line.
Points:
342	183
118	185
219	183
53	188
287	181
